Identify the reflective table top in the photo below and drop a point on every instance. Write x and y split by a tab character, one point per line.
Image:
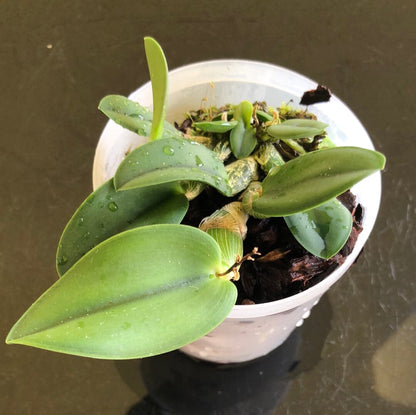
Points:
356	353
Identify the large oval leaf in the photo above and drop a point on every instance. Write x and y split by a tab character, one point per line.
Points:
314	178
170	160
132	116
143	292
158	69
323	230
107	212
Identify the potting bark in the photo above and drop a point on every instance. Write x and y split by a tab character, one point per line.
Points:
284	268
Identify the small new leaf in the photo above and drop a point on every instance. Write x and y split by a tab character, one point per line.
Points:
158	69
243	135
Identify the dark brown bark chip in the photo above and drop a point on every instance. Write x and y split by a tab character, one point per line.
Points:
284	268
186	124
315	96
348	200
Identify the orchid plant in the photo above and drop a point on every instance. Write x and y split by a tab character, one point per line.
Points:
134	281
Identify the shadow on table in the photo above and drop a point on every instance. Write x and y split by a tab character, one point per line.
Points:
180	385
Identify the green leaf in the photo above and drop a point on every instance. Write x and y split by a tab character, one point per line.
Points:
106	212
264	116
242	140
215	126
158	69
305	122
244	112
243	135
143	292
171	160
323	230
132	116
124	111
296	128
169	210
314	178
294	145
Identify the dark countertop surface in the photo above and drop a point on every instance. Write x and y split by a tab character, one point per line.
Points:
356	354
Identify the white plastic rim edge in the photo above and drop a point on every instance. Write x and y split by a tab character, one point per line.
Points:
240	77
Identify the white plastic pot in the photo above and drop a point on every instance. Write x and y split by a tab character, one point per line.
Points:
250	331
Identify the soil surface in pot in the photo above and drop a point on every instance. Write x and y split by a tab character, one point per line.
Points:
284	268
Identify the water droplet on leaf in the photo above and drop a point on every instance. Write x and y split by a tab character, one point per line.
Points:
112	206
168	150
198	161
62	260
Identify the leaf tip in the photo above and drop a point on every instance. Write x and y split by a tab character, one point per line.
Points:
12	338
149	39
382	160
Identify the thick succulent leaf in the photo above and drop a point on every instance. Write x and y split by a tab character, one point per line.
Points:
143	292
132	116
294	145
215	126
243	135
107	212
314	178
169	210
305	122
263	116
124	111
296	128
158	69
171	160
244	112
323	230
242	140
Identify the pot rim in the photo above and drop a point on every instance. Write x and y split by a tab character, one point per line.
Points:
289	81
